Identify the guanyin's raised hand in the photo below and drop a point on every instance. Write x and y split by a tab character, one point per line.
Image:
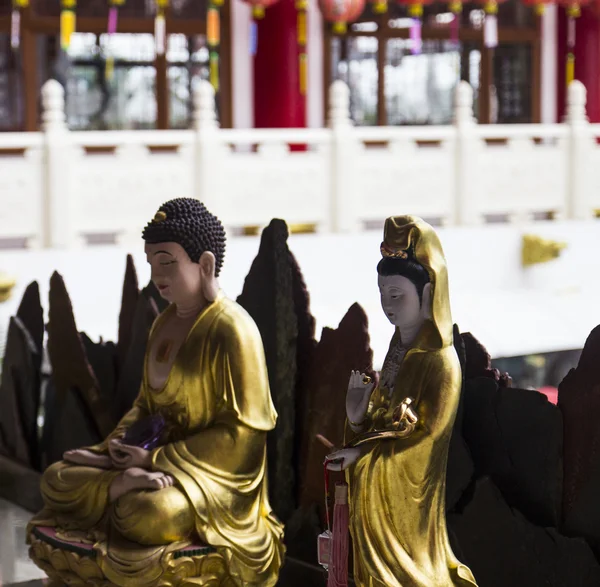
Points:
360	388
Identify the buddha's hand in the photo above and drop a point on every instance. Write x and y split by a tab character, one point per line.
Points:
360	388
340	460
86	458
125	456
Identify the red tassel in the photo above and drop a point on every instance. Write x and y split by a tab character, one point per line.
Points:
338	569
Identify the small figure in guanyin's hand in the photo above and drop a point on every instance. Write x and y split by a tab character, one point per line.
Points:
396	463
187	464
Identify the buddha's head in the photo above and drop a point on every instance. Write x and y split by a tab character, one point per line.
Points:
185	246
405	291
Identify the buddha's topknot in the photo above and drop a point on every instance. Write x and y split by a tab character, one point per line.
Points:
187	222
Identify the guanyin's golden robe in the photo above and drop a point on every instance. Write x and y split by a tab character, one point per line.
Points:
218	406
397	488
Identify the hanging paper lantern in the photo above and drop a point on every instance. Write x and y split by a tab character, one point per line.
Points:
160	27
573	10
302	39
456	8
379	6
67	22
113	17
213	27
415	7
259	7
341	12
415	11
490	24
213	39
15	22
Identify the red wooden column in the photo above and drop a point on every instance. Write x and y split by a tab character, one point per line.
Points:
587	60
278	101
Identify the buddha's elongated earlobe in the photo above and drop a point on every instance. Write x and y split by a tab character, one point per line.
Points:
210	284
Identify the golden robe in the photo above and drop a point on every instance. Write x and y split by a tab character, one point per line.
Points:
397	488
218	407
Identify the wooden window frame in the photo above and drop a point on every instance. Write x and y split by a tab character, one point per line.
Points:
506	35
33	25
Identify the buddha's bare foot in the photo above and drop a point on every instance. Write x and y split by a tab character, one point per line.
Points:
136	478
87	458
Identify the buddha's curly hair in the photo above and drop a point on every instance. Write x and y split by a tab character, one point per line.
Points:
187	222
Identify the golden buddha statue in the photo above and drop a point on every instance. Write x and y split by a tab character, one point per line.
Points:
396	462
177	494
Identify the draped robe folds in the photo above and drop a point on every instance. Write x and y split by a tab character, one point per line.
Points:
218	408
397	487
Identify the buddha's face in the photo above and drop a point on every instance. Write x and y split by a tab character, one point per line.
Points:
178	279
401	304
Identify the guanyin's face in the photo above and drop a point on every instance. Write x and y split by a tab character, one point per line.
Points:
177	278
401	304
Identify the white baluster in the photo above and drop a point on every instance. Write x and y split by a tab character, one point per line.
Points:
581	145
466	207
344	202
204	114
206	126
59	224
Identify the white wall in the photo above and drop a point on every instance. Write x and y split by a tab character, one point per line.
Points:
511	309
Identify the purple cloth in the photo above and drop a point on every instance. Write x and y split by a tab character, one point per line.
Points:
146	433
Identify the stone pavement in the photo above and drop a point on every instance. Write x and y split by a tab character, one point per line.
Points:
15	566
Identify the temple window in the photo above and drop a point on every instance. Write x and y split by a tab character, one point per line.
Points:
390	84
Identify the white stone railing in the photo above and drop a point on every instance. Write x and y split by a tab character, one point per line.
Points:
60	188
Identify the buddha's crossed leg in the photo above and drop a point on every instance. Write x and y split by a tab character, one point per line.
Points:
79	497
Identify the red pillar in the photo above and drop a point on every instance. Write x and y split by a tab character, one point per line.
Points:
587	60
278	102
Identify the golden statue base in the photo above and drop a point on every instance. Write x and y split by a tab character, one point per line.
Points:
82	563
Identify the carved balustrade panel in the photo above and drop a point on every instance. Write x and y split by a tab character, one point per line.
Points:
406	175
21	189
523	174
119	189
271	180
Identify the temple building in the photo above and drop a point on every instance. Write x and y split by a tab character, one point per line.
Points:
132	64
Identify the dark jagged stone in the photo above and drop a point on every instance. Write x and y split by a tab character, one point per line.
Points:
129	300
338	353
68	424
31	314
579	402
301	532
305	350
131	372
102	357
268	296
460	464
515	437
559	365
503	548
19	396
70	368
19	484
479	362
